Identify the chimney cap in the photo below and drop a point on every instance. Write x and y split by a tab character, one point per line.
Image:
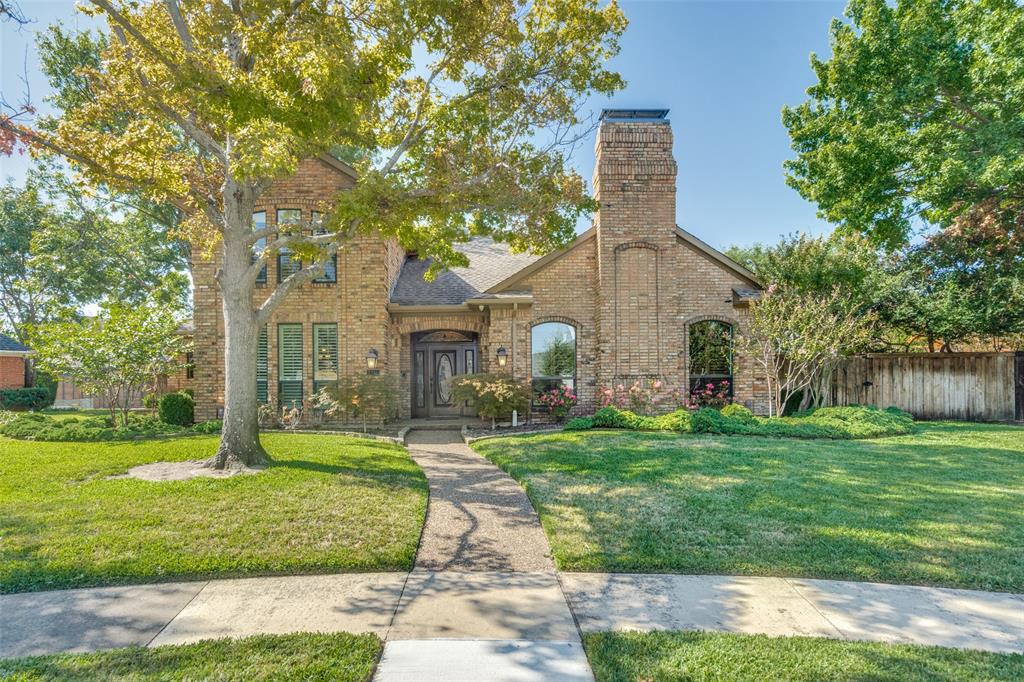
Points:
639	115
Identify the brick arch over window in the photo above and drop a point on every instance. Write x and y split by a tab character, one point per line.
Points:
636	245
556	318
459	324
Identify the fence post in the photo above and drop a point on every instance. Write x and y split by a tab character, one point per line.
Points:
1018	385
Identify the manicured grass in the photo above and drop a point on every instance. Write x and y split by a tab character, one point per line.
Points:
328	503
344	657
654	656
944	506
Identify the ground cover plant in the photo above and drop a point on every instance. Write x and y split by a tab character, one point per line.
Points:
943	506
84	428
325	504
655	656
342	657
841	423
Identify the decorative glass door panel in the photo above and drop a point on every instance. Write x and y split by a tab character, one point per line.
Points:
444	372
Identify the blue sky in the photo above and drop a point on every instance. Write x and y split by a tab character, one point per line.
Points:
723	68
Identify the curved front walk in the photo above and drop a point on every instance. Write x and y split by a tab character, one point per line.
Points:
484	602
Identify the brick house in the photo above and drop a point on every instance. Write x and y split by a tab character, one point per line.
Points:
635	296
13	363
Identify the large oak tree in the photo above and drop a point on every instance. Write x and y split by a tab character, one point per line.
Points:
463	112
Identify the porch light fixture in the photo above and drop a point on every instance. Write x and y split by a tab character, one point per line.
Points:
371	359
502	356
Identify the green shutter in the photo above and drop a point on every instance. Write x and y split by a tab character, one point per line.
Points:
289	364
325	355
261	366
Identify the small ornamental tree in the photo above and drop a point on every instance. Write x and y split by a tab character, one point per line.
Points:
798	340
461	113
115	355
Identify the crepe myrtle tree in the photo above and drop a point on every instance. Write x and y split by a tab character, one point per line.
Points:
464	114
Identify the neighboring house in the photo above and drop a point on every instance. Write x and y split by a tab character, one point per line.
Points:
634	297
13	363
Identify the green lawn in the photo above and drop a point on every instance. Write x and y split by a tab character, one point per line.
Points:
329	503
944	506
655	656
341	657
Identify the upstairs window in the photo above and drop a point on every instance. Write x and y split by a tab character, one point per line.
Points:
330	275
259	222
711	358
553	361
286	264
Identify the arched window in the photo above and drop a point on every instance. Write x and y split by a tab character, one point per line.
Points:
553	361
710	355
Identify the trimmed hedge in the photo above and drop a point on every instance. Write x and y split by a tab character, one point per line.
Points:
35	398
176	408
836	423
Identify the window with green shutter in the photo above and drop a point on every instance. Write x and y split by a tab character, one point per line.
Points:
289	365
261	366
325	355
286	265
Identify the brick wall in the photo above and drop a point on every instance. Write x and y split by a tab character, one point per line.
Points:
631	290
356	303
12	371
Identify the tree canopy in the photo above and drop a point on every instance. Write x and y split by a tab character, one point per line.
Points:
917	120
459	118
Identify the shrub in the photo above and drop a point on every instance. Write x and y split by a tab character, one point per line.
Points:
44	428
150	401
190	392
610	418
673	421
838	423
579	424
711	395
493	395
367	397
559	401
210	426
176	408
710	420
738	412
35	398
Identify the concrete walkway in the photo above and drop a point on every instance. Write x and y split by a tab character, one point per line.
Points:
479	519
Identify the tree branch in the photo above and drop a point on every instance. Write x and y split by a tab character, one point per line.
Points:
179	24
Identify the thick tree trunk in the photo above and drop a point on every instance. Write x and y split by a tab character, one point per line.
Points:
240	437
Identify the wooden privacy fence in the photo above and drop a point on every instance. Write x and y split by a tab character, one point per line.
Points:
971	386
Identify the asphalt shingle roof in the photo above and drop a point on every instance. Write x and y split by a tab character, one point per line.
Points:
9	344
490	262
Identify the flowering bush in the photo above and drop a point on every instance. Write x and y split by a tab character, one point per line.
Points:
711	395
643	396
493	395
559	401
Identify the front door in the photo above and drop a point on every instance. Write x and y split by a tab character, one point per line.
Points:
437	358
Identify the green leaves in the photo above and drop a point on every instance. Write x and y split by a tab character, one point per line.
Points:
916	118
